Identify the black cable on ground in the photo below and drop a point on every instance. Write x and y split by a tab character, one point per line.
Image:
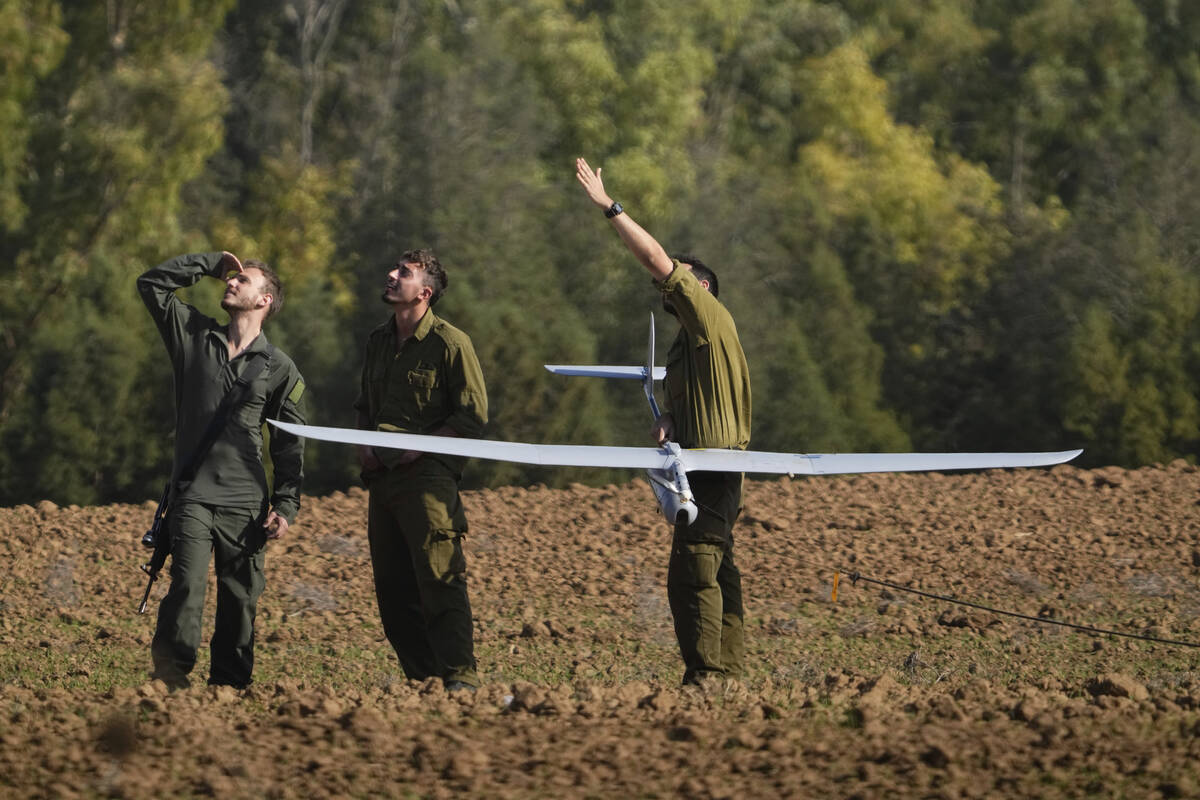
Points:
856	576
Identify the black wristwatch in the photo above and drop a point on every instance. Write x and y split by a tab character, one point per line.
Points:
613	210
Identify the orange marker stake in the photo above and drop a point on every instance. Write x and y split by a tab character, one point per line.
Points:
835	583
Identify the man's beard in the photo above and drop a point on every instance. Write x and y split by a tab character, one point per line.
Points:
234	304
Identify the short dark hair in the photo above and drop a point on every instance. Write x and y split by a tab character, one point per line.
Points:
273	285
701	271
435	274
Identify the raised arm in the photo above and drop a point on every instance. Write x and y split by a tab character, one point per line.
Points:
158	285
644	247
157	288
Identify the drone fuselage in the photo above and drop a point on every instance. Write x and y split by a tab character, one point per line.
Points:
672	491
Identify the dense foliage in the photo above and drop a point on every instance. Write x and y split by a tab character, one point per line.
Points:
940	224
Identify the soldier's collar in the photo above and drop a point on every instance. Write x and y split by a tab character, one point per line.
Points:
425	325
258	345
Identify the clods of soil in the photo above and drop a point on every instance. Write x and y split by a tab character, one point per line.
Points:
907	635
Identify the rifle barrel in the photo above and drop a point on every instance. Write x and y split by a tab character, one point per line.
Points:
146	596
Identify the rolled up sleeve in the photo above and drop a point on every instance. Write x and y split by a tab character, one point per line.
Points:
698	311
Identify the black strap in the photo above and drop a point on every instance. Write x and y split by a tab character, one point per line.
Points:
220	417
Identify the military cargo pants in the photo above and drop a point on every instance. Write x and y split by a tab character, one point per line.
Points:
415	524
704	586
234	537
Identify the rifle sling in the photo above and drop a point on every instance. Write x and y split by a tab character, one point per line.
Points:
220	417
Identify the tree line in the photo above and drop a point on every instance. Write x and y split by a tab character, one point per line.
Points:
940	225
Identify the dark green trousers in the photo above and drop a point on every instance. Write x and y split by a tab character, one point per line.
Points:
704	586
415	524
235	538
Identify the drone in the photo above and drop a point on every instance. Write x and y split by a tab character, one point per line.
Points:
667	466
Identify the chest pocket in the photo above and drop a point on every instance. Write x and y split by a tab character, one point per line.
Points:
250	410
422	379
424	384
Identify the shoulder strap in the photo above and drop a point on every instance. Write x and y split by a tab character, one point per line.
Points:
220	417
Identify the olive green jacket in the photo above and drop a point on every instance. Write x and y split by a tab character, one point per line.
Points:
433	380
708	381
232	473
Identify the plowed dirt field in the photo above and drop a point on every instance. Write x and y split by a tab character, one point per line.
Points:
879	692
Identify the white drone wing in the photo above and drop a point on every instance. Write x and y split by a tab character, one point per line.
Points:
845	463
604	371
561	455
700	459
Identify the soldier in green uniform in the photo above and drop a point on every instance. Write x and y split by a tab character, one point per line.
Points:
222	508
708	405
420	375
